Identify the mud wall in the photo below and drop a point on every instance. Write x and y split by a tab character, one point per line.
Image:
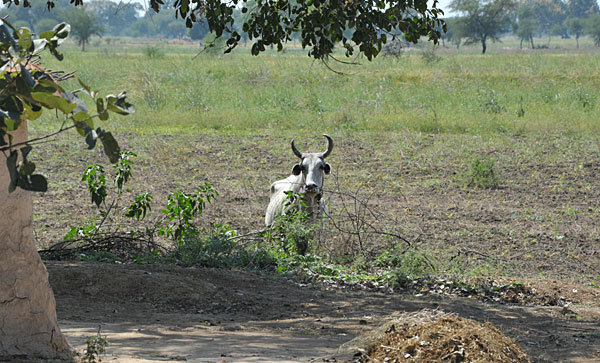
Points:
28	324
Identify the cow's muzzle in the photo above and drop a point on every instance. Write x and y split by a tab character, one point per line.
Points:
312	188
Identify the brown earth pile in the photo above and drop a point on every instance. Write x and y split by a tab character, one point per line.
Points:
433	335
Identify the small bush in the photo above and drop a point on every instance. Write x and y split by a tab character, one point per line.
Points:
489	102
294	230
583	98
100	256
429	56
96	345
219	250
154	52
405	266
151	91
484	174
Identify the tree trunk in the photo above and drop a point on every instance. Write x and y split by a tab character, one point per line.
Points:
28	324
531	40
577	40
483	45
521	44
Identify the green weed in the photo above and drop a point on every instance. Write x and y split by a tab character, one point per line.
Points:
483	174
154	51
220	250
489	102
95	346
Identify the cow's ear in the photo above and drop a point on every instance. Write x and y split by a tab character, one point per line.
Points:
327	169
297	169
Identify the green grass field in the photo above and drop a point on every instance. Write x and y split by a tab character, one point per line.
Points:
505	93
407	132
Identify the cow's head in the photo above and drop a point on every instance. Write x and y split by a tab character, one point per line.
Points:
313	167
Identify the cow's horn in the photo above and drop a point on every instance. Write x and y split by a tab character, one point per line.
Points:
296	152
329	146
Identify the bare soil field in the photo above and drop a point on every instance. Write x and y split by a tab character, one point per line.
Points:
541	222
170	313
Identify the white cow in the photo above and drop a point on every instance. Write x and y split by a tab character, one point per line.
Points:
307	178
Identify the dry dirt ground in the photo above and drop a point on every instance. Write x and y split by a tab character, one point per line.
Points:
541	222
171	313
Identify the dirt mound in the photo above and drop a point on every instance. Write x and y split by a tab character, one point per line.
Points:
433	335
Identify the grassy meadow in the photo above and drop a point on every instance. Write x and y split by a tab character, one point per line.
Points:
408	131
505	93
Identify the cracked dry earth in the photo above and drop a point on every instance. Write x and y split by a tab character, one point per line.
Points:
168	313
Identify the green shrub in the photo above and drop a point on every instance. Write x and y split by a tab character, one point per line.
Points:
429	56
95	346
154	51
489	102
294	231
220	250
484	174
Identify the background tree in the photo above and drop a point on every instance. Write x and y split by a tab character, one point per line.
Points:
527	24
199	30
558	30
176	29
456	30
582	8
593	28
84	24
115	17
576	28
484	19
548	13
44	25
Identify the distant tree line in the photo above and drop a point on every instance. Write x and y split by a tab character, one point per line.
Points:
477	22
103	17
481	21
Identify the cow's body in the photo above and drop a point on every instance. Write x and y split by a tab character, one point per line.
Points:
307	179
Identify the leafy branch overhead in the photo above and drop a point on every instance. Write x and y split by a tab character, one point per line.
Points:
322	24
26	89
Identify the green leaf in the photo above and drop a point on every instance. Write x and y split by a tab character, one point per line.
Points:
11	165
80	116
25	150
32	111
26	77
6	34
25	40
102	112
87	89
52	101
118	104
61	32
83	128
111	147
34	183
72	98
12	108
91	139
46	35
27	168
